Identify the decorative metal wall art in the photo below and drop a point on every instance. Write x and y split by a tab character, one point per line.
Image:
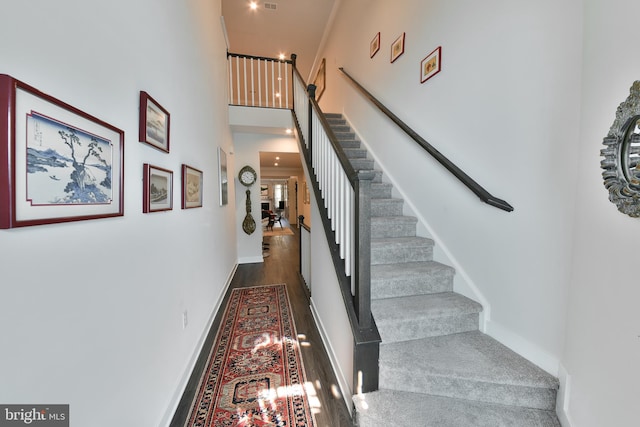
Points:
621	163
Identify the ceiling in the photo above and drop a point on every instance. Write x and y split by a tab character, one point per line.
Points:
278	27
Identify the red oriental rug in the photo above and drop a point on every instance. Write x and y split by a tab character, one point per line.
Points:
254	374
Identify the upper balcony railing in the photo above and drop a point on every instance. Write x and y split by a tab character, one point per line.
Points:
259	82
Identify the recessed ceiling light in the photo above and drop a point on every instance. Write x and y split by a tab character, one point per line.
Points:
281	56
275	164
253	5
277	158
278	95
288	131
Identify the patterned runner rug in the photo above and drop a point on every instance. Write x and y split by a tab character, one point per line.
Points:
254	375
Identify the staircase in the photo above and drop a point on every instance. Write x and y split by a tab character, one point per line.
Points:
436	367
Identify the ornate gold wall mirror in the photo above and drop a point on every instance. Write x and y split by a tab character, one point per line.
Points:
621	163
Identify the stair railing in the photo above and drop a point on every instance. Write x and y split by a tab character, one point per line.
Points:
343	196
256	81
479	191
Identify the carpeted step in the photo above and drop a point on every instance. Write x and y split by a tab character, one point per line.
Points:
386	207
332	115
362	164
340	128
421	316
393	226
410	278
396	408
381	190
355	153
392	250
349	143
468	365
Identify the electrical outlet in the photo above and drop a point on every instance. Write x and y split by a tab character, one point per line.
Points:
185	319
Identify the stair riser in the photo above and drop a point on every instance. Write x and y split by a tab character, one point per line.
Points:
392	254
361	164
410	285
380	190
355	153
392	229
340	128
386	207
348	144
522	396
413	329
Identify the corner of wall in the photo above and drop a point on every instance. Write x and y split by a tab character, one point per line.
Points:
564	394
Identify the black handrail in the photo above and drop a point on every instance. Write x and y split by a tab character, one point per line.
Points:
479	191
262	58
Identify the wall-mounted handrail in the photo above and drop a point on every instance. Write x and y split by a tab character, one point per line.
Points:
479	191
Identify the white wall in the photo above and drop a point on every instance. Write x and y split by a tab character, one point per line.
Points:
91	311
603	349
504	108
247	152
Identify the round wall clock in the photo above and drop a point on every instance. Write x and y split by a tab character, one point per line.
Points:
247	177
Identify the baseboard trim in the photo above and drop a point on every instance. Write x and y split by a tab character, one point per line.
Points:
250	259
523	347
343	384
186	376
564	394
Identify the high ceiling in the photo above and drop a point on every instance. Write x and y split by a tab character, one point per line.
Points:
278	27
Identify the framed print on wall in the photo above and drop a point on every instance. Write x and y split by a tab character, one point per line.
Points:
397	48
57	163
192	180
430	66
154	127
374	46
157	190
321	79
222	177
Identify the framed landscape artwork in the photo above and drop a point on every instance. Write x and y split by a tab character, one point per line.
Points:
397	48
157	190
57	163
154	127
374	46
191	187
430	66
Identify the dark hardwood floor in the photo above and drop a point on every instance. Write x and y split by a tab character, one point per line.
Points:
281	266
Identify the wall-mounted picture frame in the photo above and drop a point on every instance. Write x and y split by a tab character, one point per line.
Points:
223	177
306	198
321	79
192	181
57	163
157	189
374	46
397	48
431	64
155	121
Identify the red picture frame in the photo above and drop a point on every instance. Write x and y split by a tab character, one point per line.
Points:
155	123
397	48
374	46
431	64
57	163
192	180
157	189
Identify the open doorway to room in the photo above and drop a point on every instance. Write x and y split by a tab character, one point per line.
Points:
280	174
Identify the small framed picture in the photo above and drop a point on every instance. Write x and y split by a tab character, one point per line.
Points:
321	79
157	190
222	177
430	66
57	163
374	46
154	126
397	48
191	187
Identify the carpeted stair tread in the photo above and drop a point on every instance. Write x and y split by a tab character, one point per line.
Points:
410	278
420	316
397	408
469	365
381	190
393	250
